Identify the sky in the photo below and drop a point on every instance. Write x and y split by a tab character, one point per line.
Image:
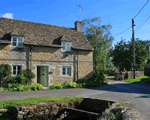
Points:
118	13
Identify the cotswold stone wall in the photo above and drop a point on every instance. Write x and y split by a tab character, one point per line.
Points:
50	56
137	74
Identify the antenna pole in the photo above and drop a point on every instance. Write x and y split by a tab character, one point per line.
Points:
79	11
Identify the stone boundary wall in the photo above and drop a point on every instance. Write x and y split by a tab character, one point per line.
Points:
128	74
137	74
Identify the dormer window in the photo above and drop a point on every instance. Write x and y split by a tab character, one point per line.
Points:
17	41
66	46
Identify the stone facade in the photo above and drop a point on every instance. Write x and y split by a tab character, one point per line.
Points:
49	56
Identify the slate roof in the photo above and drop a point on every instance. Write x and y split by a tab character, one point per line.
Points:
41	34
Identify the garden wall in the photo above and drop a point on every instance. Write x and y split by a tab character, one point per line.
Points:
129	74
137	74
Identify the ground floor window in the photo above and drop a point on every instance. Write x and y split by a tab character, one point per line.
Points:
16	70
66	70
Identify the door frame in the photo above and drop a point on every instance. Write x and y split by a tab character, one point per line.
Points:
43	65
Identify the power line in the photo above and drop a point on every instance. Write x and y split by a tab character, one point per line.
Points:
123	31
143	23
143	20
141	9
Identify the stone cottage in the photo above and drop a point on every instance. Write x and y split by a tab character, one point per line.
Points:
53	53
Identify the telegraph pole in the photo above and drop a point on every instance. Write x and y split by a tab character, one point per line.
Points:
133	44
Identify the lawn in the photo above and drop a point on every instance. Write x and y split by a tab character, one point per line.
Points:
136	80
32	101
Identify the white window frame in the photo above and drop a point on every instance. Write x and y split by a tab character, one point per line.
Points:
15	75
66	44
17	37
66	66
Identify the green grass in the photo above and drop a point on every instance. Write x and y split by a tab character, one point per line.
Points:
120	104
32	101
138	79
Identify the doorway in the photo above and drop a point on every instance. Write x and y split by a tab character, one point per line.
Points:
42	75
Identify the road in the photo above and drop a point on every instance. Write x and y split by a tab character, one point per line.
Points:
135	93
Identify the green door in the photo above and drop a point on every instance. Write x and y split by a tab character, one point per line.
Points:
43	71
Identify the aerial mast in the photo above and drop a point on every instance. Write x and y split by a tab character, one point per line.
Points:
79	11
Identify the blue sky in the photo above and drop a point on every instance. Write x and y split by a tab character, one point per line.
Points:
65	12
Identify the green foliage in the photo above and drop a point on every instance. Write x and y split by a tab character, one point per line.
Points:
32	101
137	79
122	55
120	104
19	87
101	40
34	87
100	76
5	72
26	77
56	86
39	86
65	85
13	80
81	80
7	104
73	84
79	85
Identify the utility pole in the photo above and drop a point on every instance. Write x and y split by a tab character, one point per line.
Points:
133	44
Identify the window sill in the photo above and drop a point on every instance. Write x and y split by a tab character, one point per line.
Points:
65	76
17	47
15	75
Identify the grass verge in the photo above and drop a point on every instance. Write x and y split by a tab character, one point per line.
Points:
32	101
136	80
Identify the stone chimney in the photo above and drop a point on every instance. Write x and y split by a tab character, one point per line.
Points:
78	26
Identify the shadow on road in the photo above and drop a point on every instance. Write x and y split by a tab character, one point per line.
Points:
125	88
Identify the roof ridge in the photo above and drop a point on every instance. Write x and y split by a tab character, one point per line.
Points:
36	22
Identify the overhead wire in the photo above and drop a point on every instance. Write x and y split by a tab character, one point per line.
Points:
143	20
141	9
142	24
123	31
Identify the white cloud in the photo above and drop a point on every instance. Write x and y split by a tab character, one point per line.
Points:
148	26
8	15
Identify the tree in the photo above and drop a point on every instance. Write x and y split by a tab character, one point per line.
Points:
100	38
123	57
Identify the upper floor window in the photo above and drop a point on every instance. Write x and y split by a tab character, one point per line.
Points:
17	41
66	46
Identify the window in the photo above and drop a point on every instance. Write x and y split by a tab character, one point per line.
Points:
66	70
17	41
66	46
16	70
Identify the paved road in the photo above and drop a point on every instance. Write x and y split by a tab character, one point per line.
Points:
135	93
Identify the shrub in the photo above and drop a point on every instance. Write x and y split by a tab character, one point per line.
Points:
34	87
81	80
73	84
27	88
5	72
13	80
58	86
52	87
79	85
65	85
7	104
26	77
39	86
